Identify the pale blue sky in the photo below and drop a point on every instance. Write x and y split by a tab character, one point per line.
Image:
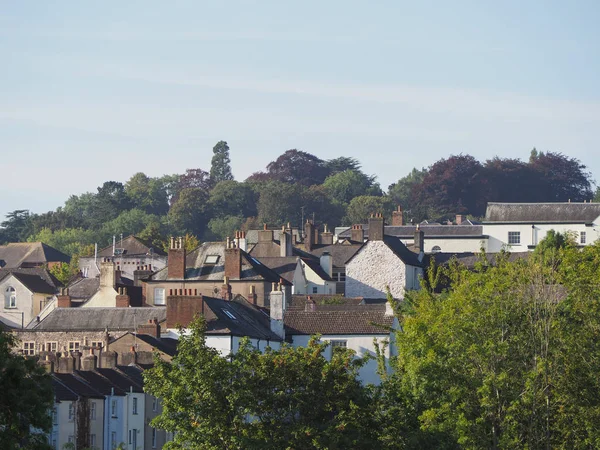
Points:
96	91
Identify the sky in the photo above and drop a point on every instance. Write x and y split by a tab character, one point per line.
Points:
97	91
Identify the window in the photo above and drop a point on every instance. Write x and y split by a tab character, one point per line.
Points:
134	441
113	408
338	344
97	344
92	440
315	289
10	297
228	314
113	440
436	249
154	403
342	276
51	346
93	411
71	439
71	410
73	346
29	348
211	259
582	237
129	437
54	416
134	406
159	296
514	237
153	437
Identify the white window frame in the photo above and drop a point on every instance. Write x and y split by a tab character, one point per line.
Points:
10	298
337	344
74	346
92	410
113	408
29	348
51	346
71	411
514	238
161	296
134	406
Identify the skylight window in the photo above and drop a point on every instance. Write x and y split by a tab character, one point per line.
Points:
211	259
228	313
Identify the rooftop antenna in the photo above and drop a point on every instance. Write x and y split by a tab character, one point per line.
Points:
114	244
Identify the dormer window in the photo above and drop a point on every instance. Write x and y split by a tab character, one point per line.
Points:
211	259
10	298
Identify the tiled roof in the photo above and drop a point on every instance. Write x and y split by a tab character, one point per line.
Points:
77	385
132	245
339	252
100	382
284	266
542	212
402	252
315	266
197	269
431	231
252	235
61	392
120	380
125	319
358	320
17	254
165	345
37	280
83	288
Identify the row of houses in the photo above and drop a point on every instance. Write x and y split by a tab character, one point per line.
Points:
273	286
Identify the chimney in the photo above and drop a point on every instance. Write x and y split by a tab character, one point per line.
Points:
77	360
357	234
326	262
252	297
285	243
226	289
89	362
397	218
309	236
63	300
326	236
176	264
108	360
107	273
48	364
183	305
459	219
152	328
141	273
276	309
265	235
233	261
133	357
240	240
65	363
122	299
310	305
419	240
376	227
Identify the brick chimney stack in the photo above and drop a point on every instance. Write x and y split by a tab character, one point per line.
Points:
183	305
397	218
419	240
176	266
357	234
233	261
122	299
376	227
152	328
226	289
459	219
252	297
141	273
107	273
63	300
326	236
265	235
309	236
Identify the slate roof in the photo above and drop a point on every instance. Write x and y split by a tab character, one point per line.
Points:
120	380
430	230
165	345
198	270
17	254
37	280
284	266
248	320
252	235
61	392
340	253
124	319
100	382
400	250
542	213
83	288
364	319
132	246
315	265
76	385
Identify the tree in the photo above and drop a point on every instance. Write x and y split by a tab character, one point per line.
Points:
220	165
401	191
148	194
361	208
287	398
342	164
16	226
231	198
187	215
296	166
26	401
110	201
344	186
280	203
222	227
70	241
511	180
128	222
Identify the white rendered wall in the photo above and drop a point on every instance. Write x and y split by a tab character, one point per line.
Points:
372	270
532	235
23	313
361	344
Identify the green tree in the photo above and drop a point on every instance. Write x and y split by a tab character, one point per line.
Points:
346	185
342	163
148	194
220	165
287	398
26	401
70	241
231	198
361	208
280	203
187	215
128	222
401	191
221	227
16	227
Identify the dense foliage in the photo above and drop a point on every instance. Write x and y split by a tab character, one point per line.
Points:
26	400
295	186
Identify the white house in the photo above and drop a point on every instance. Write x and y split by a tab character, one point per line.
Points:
521	226
383	263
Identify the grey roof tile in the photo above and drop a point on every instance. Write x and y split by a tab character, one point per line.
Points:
542	212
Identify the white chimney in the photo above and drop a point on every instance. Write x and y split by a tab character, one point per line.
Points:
277	305
326	262
285	243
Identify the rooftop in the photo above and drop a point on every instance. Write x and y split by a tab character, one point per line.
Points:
542	212
18	254
124	319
